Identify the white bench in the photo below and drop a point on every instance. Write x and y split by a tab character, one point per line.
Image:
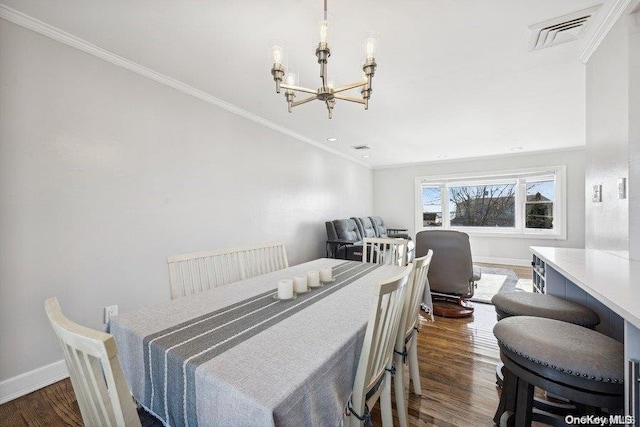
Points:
197	272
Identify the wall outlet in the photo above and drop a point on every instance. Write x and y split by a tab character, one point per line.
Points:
112	310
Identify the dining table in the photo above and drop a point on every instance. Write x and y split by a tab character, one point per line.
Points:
238	356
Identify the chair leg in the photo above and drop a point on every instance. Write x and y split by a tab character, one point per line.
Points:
507	396
414	370
524	405
401	403
385	401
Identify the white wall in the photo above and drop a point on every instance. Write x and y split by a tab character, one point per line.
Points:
607	109
394	200
104	173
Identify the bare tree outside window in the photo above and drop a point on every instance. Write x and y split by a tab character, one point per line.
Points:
483	205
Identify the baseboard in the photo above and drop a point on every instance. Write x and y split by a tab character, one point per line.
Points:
28	382
507	261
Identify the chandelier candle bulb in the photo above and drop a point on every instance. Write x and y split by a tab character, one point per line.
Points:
313	279
370	48
285	289
324	25
291	79
300	284
277	54
326	274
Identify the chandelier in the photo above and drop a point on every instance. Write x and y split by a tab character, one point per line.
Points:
326	93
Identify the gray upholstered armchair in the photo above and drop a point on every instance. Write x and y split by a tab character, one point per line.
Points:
344	239
383	231
373	226
452	275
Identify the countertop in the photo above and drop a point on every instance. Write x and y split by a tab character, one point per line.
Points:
611	279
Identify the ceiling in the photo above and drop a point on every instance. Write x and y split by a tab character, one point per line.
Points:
455	78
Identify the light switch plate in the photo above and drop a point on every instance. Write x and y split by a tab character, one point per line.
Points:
622	188
596	197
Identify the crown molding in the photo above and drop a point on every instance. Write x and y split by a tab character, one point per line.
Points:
615	10
58	35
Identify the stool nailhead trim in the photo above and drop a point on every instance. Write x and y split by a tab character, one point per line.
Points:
577	374
585	324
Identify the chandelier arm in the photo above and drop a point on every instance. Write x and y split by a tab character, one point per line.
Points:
303	101
350	99
350	86
298	88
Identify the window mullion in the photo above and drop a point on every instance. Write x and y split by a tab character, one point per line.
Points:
520	204
445	206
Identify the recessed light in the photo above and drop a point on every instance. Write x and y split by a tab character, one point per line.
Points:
332	139
515	149
366	156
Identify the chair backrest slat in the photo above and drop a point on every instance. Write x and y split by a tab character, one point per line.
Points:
386	251
96	375
197	272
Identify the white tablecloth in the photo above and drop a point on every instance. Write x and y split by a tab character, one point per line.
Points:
297	372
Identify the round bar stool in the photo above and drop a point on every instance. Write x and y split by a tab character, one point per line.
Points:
575	363
509	304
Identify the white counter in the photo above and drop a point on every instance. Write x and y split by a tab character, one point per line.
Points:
613	280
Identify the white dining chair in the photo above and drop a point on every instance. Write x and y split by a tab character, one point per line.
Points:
373	376
384	250
406	345
95	371
202	271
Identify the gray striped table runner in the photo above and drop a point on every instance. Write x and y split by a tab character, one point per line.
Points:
173	354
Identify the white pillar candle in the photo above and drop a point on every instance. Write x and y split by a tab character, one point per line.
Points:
300	284
326	275
285	289
313	279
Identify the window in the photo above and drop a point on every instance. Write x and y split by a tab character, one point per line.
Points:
539	203
518	203
431	206
483	205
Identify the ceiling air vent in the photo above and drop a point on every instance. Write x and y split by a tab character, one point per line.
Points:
361	147
560	30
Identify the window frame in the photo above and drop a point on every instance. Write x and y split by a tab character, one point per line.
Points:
520	177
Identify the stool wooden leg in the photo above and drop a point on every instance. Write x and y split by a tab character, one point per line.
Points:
507	396
524	404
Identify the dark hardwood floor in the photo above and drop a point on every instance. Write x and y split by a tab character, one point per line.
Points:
457	364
